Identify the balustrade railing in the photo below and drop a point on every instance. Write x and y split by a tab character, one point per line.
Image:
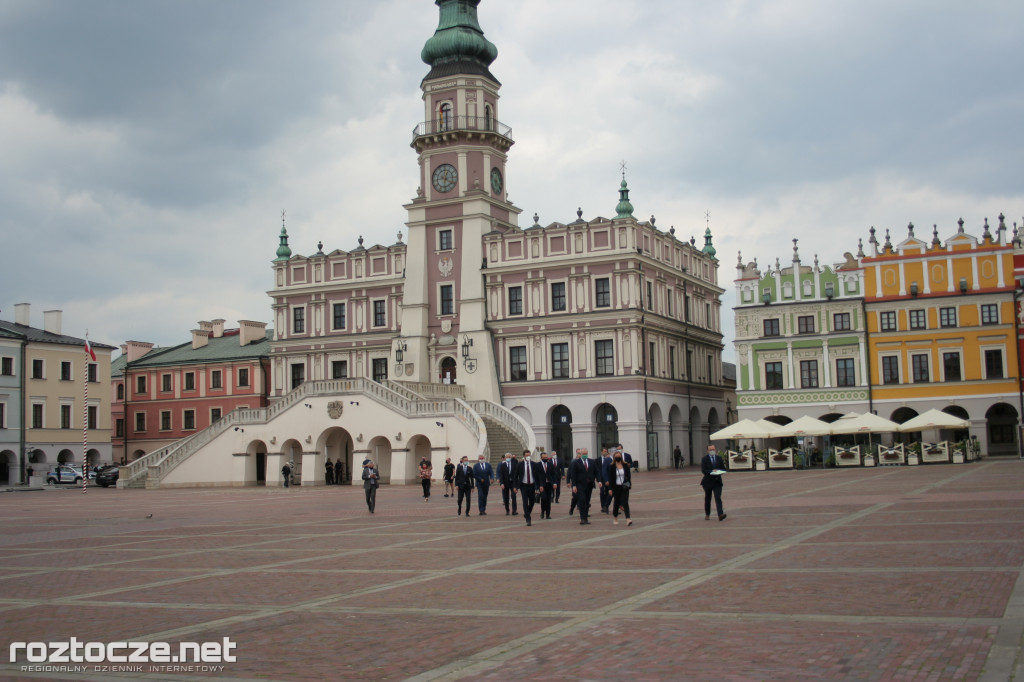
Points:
456	123
507	418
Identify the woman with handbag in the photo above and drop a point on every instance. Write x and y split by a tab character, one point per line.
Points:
426	473
619	483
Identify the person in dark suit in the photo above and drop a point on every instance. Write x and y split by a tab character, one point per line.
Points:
506	477
556	484
602	480
529	480
464	483
712	484
550	474
584	478
328	472
482	474
619	482
568	481
371	479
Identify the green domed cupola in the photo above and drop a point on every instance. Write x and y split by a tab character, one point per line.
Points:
709	248
624	208
458	46
283	251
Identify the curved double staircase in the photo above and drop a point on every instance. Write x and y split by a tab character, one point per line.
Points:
495	428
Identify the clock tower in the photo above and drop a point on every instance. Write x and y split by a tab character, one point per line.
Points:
462	148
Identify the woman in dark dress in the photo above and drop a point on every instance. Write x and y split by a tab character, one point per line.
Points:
620	482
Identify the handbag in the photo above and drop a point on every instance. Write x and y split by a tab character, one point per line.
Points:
627	485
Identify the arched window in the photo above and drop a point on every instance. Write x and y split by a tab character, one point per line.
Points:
445	116
488	118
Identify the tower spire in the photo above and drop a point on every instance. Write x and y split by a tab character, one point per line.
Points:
283	251
458	46
624	208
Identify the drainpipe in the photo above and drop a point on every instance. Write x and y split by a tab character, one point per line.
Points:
867	353
23	441
1020	388
126	383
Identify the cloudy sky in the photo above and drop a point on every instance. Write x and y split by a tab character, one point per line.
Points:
148	148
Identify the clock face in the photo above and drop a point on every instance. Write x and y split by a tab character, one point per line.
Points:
496	183
444	178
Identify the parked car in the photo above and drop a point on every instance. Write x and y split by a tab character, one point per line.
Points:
108	475
66	475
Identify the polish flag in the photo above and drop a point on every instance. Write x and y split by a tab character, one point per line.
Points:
89	351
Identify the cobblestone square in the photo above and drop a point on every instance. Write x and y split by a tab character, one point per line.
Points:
902	573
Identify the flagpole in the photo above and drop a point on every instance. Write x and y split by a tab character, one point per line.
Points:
85	416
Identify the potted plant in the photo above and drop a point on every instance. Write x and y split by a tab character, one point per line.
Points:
761	460
914	454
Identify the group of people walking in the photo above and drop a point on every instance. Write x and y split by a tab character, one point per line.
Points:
541	481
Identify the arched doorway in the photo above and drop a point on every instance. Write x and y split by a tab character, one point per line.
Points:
561	432
291	451
448	367
8	467
419	449
380	453
607	427
92	457
1001	423
675	425
136	455
654	419
256	464
901	415
957	411
65	457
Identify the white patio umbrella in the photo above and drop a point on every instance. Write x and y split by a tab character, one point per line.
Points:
745	428
804	426
863	423
934	419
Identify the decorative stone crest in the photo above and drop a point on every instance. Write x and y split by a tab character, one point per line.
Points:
446	326
445	266
335	408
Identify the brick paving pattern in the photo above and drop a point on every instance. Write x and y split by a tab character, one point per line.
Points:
902	573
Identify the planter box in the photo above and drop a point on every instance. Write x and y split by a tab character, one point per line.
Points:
847	457
869	461
740	460
890	455
913	459
935	452
780	460
958	457
760	465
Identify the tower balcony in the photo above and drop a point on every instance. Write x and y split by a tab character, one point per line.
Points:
445	128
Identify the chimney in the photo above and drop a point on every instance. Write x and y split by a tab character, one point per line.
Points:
206	326
200	337
21	311
249	331
218	328
51	321
136	349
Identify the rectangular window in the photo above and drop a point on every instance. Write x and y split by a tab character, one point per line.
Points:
447	299
887	321
890	369
558	296
165	420
689	364
380	370
707	315
190	381
7	366
119	428
379	313
668	302
671	362
845	372
515	300
165	383
65	416
805	324
214	414
918	319
3	415
560	361
947	317
188	420
65	371
243	376
602	292
686	307
841	322
650	296
298	320
339	369
298	375
140	384
994	364
90	372
37	415
951	367
771	327
919	367
444	240
215	379
37	369
91	416
140	421
990	313
773	376
1001	434
808	374
338	310
650	359
604	355
517	363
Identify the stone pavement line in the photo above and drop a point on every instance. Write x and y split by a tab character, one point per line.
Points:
1004	658
488	659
